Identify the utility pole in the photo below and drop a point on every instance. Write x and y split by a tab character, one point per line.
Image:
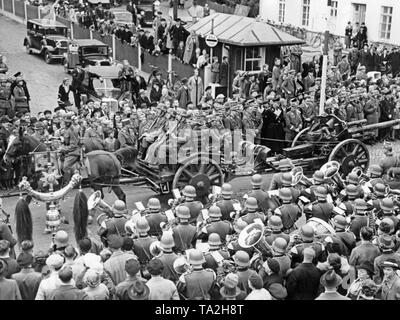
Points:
324	63
175	11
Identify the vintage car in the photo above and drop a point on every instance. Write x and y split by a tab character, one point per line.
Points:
105	3
87	52
148	8
123	17
46	37
101	83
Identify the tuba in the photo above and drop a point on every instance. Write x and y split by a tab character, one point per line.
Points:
181	265
331	171
253	236
360	173
94	201
299	177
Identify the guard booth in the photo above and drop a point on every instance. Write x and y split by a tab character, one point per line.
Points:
247	42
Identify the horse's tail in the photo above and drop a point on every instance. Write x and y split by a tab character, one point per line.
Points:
23	220
80	213
127	156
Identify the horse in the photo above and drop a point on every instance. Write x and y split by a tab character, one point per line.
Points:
103	167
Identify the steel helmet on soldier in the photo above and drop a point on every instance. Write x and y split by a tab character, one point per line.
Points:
214	240
226	189
239	225
167	241
241	258
275	223
380	189
251	203
351	190
360	204
119	207
279	245
189	191
318	177
285	164
287	179
321	192
196	257
307	232
183	212
154	204
142	225
340	222
285	194
376	170
387	204
353	178
215	212
256	180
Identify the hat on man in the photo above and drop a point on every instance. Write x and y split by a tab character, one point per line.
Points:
230	288
55	261
125	122
138	291
367	266
307	232
272	264
390	263
385	242
275	223
24	259
61	239
330	279
340	222
277	291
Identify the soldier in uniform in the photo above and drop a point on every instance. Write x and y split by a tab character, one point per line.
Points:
214	243
251	212
5	102
40	133
199	283
379	193
226	204
350	195
387	207
243	271
126	136
359	219
351	114
257	192
189	192
319	180
375	174
168	257
116	224
389	161
288	211
141	245
285	165
251	132
307	240
321	208
155	217
354	179
287	180
347	238
216	225
275	225
293	121
184	233
232	240
71	149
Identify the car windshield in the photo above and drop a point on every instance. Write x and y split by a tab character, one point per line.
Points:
56	31
94	50
106	88
123	16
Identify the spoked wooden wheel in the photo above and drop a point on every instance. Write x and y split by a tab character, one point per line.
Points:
300	138
350	153
201	172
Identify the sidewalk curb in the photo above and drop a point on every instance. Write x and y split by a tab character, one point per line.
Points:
12	17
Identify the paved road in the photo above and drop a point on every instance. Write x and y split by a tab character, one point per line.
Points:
42	79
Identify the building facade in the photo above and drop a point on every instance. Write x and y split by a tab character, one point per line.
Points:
379	16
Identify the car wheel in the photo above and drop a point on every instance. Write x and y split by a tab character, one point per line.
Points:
47	58
28	48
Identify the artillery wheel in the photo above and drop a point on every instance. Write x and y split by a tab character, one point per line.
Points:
302	133
350	153
201	172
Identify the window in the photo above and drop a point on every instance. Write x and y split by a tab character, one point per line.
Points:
386	22
282	7
306	13
334	5
252	59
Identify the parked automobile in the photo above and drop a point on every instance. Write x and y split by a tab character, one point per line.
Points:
123	17
87	52
46	37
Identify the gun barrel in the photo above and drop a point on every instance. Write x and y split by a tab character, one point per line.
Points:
374	126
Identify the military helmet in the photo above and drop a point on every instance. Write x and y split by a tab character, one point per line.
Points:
251	203
167	241
275	223
189	191
154	204
360	204
387	204
256	180
307	232
376	170
318	176
279	245
353	178
287	179
285	194
321	192
239	225
214	240
183	212
285	164
119	207
340	222
142	225
196	257
215	212
226	189
241	258
351	190
380	189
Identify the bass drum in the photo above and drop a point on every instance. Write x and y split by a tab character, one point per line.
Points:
321	227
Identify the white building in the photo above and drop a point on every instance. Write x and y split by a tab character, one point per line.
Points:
382	17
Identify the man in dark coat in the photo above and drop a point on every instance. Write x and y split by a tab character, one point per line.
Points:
77	78
28	280
178	33
67	290
394	59
303	282
387	106
223	72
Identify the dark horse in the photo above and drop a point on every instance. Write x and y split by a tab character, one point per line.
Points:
103	167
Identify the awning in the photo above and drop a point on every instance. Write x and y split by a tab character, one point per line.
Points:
243	31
